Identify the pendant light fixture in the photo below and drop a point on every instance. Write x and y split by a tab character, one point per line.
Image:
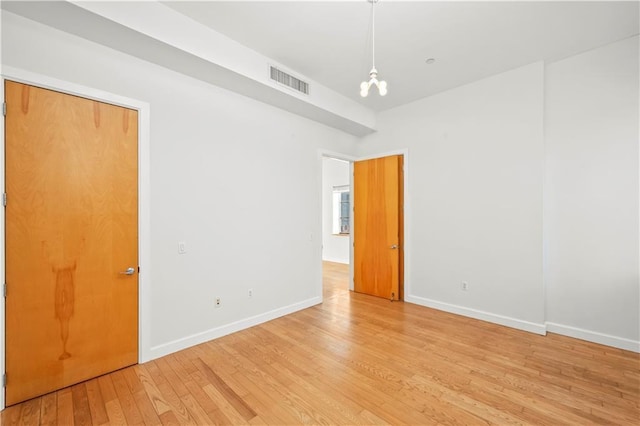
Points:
373	74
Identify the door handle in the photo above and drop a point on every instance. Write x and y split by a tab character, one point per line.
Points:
129	271
394	247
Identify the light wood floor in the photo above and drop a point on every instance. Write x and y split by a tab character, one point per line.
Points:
356	359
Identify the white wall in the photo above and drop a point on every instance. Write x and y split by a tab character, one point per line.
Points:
476	175
526	185
591	204
335	248
218	160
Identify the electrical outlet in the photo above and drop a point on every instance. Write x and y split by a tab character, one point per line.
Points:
218	301
464	286
250	293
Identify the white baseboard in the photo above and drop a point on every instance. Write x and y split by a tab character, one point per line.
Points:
595	337
214	333
481	315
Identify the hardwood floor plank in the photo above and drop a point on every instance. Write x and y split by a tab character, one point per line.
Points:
265	415
155	396
156	375
65	407
131	377
194	381
169	419
177	407
196	412
146	408
185	360
213	411
11	415
177	367
170	376
229	394
257	420
107	389
99	414
81	410
126	399
30	413
233	416
115	412
356	359
371	418
49	409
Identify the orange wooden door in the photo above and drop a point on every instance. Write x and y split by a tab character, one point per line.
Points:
71	228
377	194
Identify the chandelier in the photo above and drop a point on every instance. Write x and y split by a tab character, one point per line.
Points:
373	74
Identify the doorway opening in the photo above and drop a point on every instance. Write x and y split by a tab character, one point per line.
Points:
336	225
363	223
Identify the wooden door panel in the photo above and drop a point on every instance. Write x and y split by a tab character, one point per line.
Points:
71	226
377	225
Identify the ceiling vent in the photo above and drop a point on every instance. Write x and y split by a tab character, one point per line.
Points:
289	80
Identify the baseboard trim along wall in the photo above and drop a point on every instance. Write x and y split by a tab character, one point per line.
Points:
214	333
595	337
480	315
542	329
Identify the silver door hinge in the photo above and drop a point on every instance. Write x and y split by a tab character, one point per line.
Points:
4	199
4	380
4	109
4	290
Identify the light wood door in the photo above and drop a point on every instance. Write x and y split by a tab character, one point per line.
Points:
377	236
71	229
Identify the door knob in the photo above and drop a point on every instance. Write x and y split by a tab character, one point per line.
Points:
129	271
395	246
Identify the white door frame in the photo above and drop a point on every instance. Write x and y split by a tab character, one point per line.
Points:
144	197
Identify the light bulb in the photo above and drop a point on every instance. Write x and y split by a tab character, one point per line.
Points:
383	88
364	89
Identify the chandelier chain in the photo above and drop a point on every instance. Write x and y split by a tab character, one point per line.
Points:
373	34
381	85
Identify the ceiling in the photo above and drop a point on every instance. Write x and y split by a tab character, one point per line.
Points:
329	42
